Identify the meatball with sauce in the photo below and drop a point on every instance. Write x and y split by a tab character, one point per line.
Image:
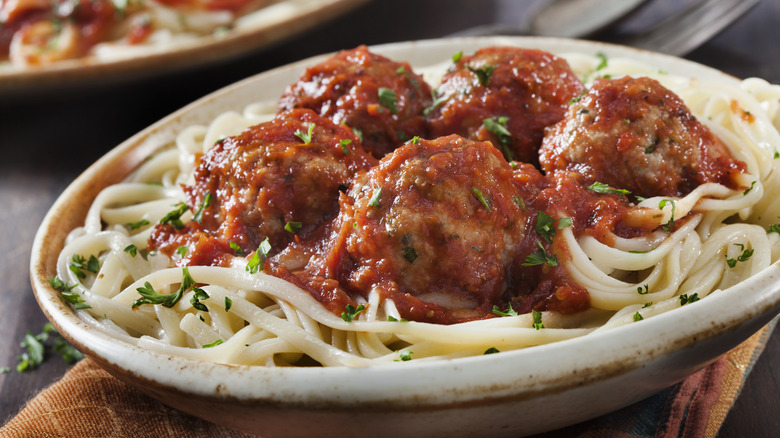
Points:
277	180
435	227
382	100
505	95
634	134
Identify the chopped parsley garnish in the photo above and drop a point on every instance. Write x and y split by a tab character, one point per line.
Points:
498	126
578	97
457	57
351	312
538	325
669	225
638	316
492	350
213	344
564	222
483	73
374	201
643	290
75	299
541	257
60	285
257	262
236	249
131	249
414	140
305	136
437	100
182	250
508	312
293	227
358	132
388	99
648	304
774	229
344	143
544	226
481	198
150	296
607	189
228	303
204	204
199	294
392	318
749	188
746	254
603	61
685	299
79	264
174	217
5	370
402	71
137	225
410	254
405	355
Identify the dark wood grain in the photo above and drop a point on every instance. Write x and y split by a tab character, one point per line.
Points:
47	139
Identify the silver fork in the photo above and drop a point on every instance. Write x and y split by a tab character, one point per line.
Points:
689	29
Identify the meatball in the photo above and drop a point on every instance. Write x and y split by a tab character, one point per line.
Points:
275	180
634	134
382	100
505	95
434	227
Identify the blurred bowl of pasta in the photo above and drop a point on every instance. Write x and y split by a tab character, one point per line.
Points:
575	367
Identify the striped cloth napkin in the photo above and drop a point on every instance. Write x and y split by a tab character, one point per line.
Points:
89	402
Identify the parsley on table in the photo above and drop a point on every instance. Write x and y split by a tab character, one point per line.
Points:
36	346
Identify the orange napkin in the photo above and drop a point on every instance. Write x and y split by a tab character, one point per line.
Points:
89	402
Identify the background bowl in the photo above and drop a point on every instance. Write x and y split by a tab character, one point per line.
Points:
510	394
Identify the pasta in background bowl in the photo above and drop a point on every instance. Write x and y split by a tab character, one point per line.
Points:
580	372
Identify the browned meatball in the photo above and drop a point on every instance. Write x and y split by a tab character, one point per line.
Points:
380	99
505	95
286	172
434	227
634	134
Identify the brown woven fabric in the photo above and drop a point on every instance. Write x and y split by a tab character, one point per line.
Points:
89	402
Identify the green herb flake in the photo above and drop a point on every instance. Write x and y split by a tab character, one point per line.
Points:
182	250
213	344
498	126
685	299
541	257
606	189
388	99
745	256
305	137
545	226
409	254
137	225
643	290
437	100
457	57
198	295
669	225
483	73
60	285
392	318
374	201
131	249
351	312
150	296
228	303
204	204
344	143
508	312
293	227
257	262
481	198
564	222
638	316
492	350
749	188
602	61
774	229
405	355
537	316
236	249
174	216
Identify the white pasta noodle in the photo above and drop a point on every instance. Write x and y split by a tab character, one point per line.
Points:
258	319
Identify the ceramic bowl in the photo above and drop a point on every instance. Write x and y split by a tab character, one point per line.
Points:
507	394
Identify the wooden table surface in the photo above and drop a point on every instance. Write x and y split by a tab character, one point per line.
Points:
50	137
